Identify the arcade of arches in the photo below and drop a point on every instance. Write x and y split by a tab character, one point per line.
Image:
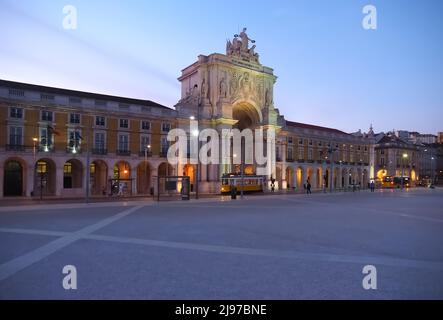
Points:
66	177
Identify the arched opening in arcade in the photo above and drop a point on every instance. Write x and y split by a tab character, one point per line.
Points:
300	181
13	178
99	177
289	178
44	177
190	171
247	117
144	178
72	174
121	184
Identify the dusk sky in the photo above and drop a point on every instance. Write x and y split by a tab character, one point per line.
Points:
331	72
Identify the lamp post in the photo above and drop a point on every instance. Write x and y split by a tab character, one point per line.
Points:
242	168
432	170
405	156
34	140
147	147
331	150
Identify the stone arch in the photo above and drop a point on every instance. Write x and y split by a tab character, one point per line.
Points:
309	175
289	178
99	177
247	114
121	183
45	172
122	170
144	178
190	171
72	174
344	178
319	178
299	178
14	177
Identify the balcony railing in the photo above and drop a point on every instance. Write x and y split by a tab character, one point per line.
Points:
123	152
163	154
15	147
43	148
144	153
73	150
289	159
99	151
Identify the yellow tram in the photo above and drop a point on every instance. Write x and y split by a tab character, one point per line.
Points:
251	183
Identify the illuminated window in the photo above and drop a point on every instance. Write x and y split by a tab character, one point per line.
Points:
42	167
67	168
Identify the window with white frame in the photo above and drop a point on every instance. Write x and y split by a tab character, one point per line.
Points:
15	136
301	153
16	113
74	118
99	141
310	154
145	125
290	152
123	142
164	145
124	123
74	140
145	143
100	121
166	127
47	115
45	139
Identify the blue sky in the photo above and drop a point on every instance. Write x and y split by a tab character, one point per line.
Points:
331	72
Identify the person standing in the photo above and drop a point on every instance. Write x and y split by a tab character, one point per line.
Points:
308	187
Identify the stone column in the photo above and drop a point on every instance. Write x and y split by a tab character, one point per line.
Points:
30	176
154	179
2	176
59	180
134	181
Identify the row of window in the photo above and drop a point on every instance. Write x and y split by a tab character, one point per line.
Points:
320	144
75	139
301	155
74	118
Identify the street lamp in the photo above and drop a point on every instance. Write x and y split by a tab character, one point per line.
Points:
148	147
34	140
405	156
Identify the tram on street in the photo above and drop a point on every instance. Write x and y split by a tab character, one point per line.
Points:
251	183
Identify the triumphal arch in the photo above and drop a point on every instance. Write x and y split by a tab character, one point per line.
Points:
225	91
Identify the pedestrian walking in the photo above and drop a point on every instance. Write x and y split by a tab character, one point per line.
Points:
308	187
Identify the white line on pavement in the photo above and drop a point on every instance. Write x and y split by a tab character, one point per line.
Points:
13	266
324	257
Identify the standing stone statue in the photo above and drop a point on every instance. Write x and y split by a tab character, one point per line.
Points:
223	89
245	40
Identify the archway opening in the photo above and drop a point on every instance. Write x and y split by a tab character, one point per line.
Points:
44	177
144	178
121	184
300	178
13	179
72	174
98	177
289	178
246	115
